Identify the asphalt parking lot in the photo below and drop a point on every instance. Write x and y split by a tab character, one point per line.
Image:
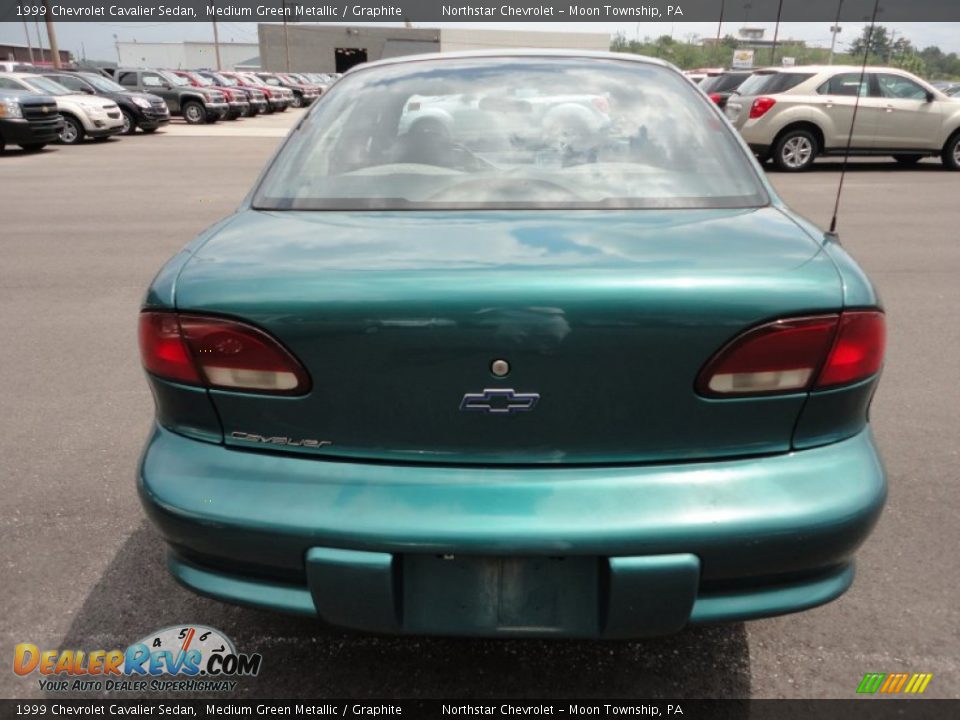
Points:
85	228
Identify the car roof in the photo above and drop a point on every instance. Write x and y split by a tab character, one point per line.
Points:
21	75
832	68
515	53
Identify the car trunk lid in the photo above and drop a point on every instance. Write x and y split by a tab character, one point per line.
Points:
605	319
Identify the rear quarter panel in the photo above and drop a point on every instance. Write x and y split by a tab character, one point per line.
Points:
789	109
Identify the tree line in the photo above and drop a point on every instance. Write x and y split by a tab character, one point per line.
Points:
882	46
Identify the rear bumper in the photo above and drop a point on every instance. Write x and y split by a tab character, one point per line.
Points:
650	548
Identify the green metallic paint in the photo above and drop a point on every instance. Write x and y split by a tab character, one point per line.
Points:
779	599
743	518
186	409
609	316
832	415
645	597
858	291
161	293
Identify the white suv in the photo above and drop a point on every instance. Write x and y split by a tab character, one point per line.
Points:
793	115
83	115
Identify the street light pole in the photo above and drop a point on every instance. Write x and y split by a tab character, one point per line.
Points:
286	37
833	31
216	45
776	34
52	37
720	24
26	30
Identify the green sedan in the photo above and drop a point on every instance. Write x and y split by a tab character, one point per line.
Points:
514	344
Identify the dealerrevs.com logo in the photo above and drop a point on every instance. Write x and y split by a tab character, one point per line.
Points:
190	658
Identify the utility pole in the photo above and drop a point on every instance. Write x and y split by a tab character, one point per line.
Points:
776	34
52	37
286	37
216	42
26	30
720	24
36	26
833	31
216	45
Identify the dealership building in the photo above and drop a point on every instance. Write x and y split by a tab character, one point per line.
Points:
336	48
188	55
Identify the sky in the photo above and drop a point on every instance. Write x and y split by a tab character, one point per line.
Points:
96	40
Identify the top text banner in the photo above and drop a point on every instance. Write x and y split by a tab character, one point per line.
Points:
477	10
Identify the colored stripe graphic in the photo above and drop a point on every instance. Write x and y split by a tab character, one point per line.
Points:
871	683
893	683
918	683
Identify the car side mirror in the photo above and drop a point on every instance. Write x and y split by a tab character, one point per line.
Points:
930	96
165	86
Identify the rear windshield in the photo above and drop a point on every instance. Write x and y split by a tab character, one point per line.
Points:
728	82
770	83
511	133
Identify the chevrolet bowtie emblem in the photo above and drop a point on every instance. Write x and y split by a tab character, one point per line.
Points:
499	401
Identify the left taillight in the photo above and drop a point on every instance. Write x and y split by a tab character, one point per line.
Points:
796	355
761	106
218	353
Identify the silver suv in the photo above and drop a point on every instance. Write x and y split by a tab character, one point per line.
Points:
793	115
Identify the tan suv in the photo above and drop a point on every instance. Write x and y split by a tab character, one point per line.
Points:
792	115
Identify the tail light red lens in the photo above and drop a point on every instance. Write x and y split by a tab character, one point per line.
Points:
162	349
797	355
218	353
857	352
760	107
716	98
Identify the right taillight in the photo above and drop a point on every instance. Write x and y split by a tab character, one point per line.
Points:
857	352
760	107
716	98
796	355
218	353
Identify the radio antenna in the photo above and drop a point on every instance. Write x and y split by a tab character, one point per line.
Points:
832	233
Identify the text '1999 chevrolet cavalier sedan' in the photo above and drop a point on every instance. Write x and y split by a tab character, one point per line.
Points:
513	344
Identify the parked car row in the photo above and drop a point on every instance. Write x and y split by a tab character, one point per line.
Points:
793	115
42	105
205	96
75	114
